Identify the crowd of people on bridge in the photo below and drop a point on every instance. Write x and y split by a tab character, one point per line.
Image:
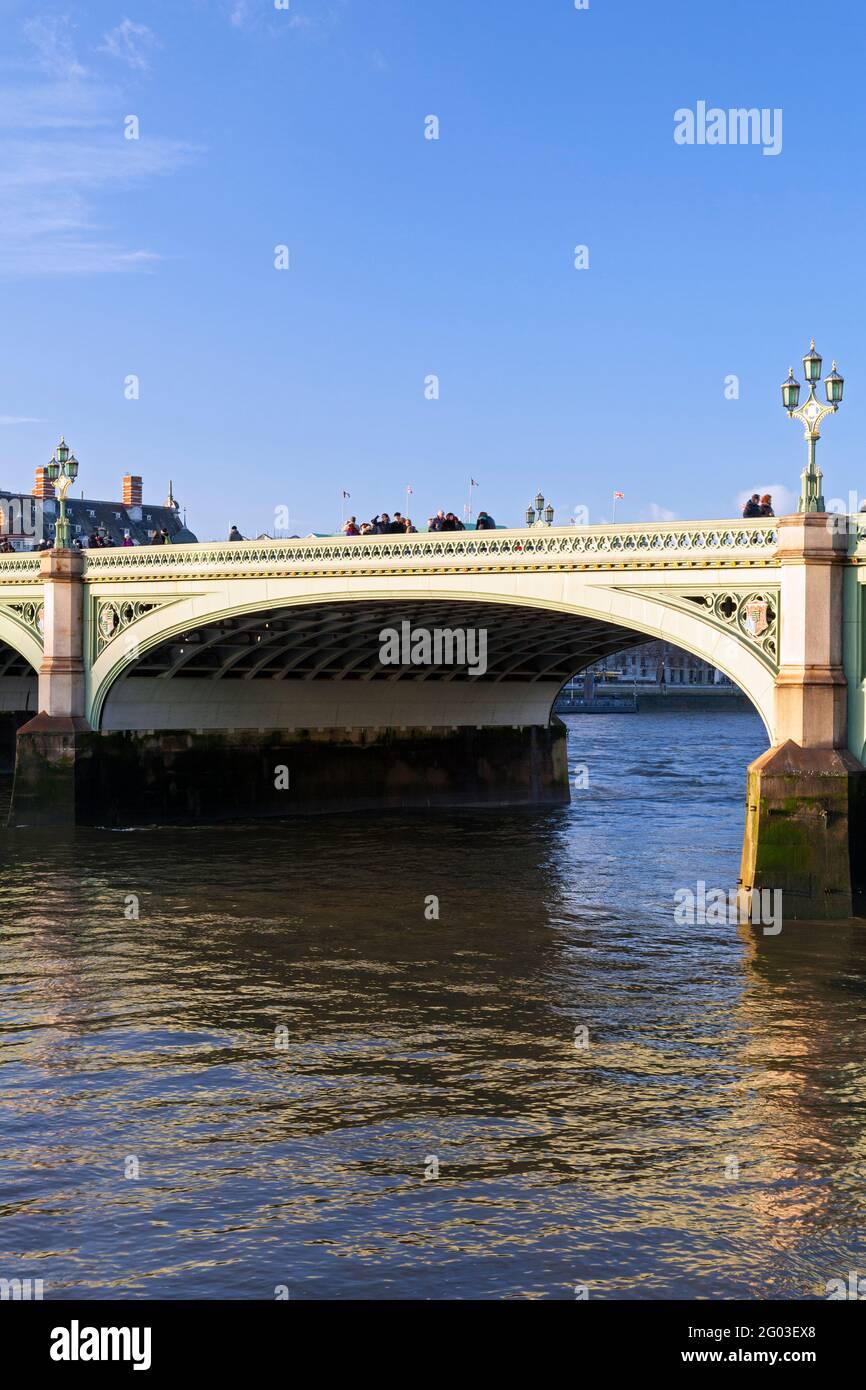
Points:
759	506
382	525
399	525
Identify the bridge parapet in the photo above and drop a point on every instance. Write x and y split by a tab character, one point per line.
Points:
20	565
662	544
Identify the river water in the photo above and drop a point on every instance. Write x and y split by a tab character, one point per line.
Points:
284	1045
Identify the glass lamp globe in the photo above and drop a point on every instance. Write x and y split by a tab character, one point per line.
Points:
834	385
812	363
790	391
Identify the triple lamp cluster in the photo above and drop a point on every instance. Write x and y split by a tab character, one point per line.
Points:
810	415
545	514
62	472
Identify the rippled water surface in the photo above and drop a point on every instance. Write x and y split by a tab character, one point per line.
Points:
410	1039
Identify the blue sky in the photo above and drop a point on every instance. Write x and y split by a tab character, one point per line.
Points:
262	389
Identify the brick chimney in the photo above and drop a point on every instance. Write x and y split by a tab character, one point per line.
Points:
43	488
132	491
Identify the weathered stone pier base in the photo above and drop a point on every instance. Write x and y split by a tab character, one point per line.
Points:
10	723
77	776
48	761
805	825
805	798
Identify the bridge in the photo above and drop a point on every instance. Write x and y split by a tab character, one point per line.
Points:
169	682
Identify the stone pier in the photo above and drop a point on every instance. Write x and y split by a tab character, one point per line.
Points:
805	795
45	791
185	776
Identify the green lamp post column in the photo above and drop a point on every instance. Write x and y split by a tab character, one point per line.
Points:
62	472
810	415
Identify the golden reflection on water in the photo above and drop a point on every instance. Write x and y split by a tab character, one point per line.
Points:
409	1039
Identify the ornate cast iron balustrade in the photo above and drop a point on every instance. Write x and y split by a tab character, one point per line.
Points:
701	543
20	565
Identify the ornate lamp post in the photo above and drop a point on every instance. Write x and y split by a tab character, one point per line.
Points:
545	514
811	414
62	472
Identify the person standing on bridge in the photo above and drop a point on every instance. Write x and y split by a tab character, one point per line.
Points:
766	505
484	522
235	535
753	506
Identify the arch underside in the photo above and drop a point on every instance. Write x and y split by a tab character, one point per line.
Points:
18	681
318	665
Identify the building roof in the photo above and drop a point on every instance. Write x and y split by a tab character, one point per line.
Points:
88	515
113	519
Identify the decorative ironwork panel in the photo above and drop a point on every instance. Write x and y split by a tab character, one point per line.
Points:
753	615
29	614
114	616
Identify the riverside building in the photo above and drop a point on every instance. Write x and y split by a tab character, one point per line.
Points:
26	519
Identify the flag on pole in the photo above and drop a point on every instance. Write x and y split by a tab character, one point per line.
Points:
346	494
467	510
409	491
619	497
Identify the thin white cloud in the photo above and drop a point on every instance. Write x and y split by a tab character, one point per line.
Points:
47	220
51	39
658	513
64	156
131	43
41	105
241	14
19	420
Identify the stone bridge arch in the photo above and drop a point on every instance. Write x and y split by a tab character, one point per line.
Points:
598	613
20	633
20	659
20	654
